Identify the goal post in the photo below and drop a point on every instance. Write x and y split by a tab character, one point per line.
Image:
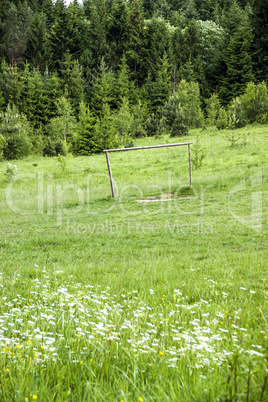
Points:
146	147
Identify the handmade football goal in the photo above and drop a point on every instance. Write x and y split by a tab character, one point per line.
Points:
146	147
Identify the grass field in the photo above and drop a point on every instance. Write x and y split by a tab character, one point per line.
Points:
108	299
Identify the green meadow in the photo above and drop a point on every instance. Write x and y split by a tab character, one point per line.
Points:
158	294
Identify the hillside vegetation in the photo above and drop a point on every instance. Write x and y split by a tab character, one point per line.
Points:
83	78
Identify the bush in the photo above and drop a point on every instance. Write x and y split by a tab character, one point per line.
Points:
236	117
53	148
222	121
198	153
10	171
16	130
255	102
3	145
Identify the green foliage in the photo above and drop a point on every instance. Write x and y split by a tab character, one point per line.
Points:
62	162
122	122
255	102
188	95
198	153
87	141
16	131
64	126
84	254
176	118
53	147
212	109
236	117
222	121
183	109
103	90
3	145
161	88
37	51
105	130
16	28
10	172
239	64
72	82
139	114
103	51
136	42
232	136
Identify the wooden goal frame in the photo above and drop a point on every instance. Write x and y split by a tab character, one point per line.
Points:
146	147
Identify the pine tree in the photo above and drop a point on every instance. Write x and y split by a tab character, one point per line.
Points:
136	42
212	109
16	30
11	84
162	85
16	130
97	45
66	33
159	44
65	124
72	81
37	49
239	64
260	27
58	35
105	130
122	121
103	90
116	31
87	141
52	91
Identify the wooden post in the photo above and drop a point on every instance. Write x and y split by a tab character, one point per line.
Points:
110	173
146	147
190	164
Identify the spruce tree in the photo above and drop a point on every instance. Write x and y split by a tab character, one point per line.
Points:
239	64
136	42
72	81
16	130
159	43
260	30
37	51
87	141
116	30
162	86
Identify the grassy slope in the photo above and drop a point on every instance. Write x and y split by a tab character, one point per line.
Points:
210	247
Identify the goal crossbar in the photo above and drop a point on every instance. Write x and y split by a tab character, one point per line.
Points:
146	147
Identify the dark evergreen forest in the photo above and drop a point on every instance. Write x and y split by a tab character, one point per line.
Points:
81	78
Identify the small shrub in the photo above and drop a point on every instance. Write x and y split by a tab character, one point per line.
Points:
53	148
10	171
198	154
3	145
62	162
236	117
233	136
185	191
222	121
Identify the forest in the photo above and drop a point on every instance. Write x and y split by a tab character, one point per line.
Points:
83	78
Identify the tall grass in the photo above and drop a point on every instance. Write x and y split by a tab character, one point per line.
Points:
114	299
